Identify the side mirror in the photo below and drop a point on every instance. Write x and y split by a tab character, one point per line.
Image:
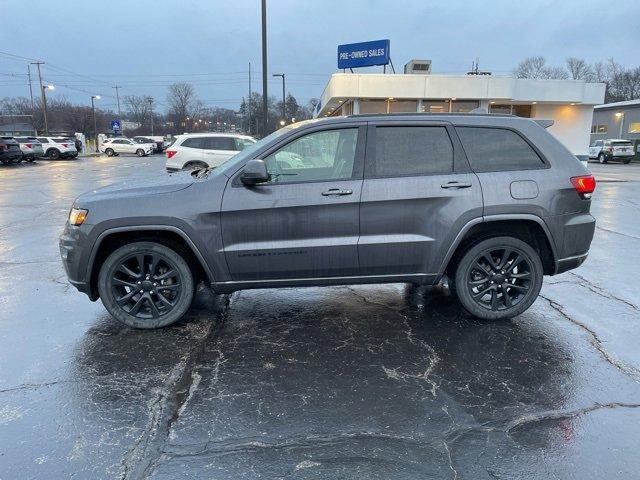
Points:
255	171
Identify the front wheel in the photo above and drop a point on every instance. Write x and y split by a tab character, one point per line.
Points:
140	152
498	278
602	158
627	161
109	152
146	285
53	154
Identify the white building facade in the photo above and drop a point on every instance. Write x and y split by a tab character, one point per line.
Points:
569	103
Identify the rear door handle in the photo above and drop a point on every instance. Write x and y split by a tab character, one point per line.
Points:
455	185
337	191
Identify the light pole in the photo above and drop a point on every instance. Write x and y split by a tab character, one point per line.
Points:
43	90
265	109
284	103
117	88
620	116
150	100
95	124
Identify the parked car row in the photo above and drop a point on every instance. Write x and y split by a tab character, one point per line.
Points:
17	149
203	150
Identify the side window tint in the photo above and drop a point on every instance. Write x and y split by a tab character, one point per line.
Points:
220	143
411	151
319	156
497	149
196	142
43	140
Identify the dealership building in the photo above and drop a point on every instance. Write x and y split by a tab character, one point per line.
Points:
569	103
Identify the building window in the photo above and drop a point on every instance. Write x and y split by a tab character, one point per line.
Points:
373	106
435	106
634	127
403	106
464	106
600	128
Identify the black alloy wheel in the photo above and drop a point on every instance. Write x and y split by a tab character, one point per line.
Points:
499	278
146	285
53	154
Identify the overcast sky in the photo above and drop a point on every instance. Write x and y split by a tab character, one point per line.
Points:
144	45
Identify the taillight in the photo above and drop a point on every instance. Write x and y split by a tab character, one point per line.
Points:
610	149
171	153
2	147
29	145
584	185
65	145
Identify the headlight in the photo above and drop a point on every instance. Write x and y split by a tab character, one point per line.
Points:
77	216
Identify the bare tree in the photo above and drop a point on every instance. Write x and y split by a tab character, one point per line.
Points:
579	69
183	102
536	67
138	108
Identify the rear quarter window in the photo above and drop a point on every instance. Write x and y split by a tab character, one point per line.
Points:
197	142
497	149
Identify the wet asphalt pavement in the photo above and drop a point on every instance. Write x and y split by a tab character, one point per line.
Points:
374	382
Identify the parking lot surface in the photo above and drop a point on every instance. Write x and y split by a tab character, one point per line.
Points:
380	382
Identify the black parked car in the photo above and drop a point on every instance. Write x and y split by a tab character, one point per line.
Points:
492	202
10	151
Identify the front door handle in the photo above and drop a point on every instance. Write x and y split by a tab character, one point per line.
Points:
455	185
337	191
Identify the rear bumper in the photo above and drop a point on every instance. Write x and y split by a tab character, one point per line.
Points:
569	263
71	244
574	233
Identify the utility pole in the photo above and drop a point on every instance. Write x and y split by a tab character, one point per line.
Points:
284	99
118	99
265	112
44	98
249	102
150	100
30	88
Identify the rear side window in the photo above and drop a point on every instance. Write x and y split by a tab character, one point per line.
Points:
497	149
196	142
43	140
220	143
411	151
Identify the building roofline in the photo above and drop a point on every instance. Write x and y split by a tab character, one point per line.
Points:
626	103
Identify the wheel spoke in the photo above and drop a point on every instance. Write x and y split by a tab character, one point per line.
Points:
154	264
505	258
518	287
515	262
489	259
506	298
481	293
164	300
140	259
521	276
482	268
173	286
494	299
475	283
127	271
125	298
123	283
154	310
136	307
166	275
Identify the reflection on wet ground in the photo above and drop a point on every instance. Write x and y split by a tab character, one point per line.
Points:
385	381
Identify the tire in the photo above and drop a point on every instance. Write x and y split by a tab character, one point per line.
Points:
627	161
195	165
140	152
602	158
53	153
109	152
513	292
134	296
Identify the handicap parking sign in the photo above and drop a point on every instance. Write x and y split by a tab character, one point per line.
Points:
115	125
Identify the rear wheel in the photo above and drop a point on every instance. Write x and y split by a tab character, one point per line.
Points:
140	152
602	158
146	285
109	152
627	161
498	278
53	153
195	165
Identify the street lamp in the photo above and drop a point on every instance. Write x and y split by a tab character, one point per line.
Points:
44	105
95	124
284	105
620	116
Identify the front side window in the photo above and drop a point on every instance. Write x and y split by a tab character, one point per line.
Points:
318	156
411	151
497	149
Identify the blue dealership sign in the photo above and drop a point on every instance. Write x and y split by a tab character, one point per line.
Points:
115	125
363	54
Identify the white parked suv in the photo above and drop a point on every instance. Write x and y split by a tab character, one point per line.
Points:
58	147
202	150
118	145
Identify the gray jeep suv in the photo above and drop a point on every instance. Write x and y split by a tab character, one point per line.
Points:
492	202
